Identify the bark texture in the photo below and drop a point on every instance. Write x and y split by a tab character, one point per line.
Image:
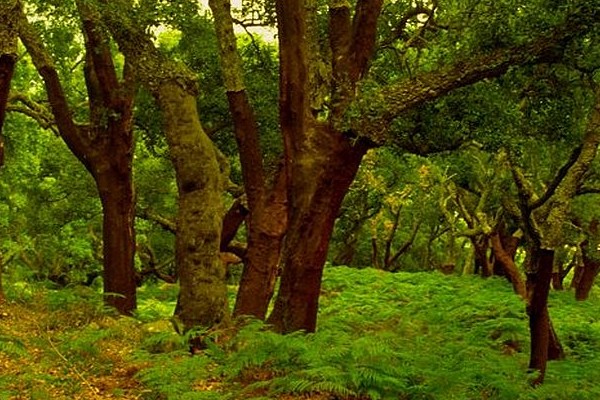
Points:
322	176
104	146
543	218
587	275
203	290
8	58
267	203
504	256
537	310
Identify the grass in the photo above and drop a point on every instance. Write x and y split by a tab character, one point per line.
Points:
381	336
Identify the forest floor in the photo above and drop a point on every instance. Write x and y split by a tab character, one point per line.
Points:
401	336
34	364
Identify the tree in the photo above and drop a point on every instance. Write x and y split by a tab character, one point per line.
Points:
333	107
8	58
543	218
203	292
104	145
267	201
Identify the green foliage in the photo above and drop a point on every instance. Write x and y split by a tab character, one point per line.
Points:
176	381
394	336
12	346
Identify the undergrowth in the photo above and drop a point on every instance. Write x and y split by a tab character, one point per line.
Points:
396	336
381	336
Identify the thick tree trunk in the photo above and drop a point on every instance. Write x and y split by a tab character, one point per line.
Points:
203	290
505	261
118	236
587	274
322	174
538	286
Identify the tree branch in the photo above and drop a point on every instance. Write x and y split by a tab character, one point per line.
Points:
375	113
244	120
364	36
560	175
160	220
44	64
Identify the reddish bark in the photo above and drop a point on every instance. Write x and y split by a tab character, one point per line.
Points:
267	206
482	262
510	244
233	219
587	274
118	243
104	147
8	58
267	226
504	259
320	183
7	66
538	287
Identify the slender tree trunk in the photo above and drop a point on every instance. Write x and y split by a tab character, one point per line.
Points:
587	275
267	220
320	181
538	286
267	227
8	58
510	244
505	261
482	262
118	236
2	297
577	275
557	279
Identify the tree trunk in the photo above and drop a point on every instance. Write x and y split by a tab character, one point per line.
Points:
118	236
538	287
557	279
587	275
266	230
321	176
505	261
555	349
203	291
482	262
2	296
267	220
510	244
8	58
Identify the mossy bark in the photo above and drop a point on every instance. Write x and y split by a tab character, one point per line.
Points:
203	294
203	291
267	204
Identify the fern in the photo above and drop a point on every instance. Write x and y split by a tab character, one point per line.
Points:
13	347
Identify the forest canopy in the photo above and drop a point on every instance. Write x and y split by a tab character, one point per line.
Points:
242	150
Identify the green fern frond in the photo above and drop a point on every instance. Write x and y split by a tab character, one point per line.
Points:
12	346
